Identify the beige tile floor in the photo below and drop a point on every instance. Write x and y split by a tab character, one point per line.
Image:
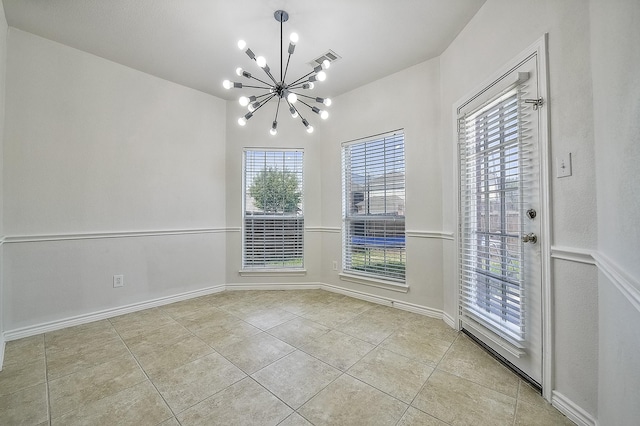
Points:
293	358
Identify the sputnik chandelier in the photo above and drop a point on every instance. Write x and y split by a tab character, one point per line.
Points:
280	90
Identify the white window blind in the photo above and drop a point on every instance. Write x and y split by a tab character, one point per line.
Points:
373	187
273	225
493	169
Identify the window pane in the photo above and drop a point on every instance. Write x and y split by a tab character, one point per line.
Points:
273	231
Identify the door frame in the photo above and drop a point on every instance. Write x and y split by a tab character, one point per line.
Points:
538	48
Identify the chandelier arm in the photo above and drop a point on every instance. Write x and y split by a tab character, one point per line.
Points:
257	87
277	109
303	102
264	102
261	81
310	97
287	68
301	78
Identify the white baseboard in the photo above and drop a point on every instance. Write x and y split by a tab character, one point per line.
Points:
2	346
33	330
107	313
271	286
387	301
448	319
572	410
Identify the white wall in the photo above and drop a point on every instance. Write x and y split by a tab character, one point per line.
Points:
407	100
3	69
499	32
615	59
98	149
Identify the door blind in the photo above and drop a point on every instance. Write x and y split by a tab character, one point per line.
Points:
273	228
373	207
493	174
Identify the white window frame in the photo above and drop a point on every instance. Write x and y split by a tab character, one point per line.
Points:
380	230
279	266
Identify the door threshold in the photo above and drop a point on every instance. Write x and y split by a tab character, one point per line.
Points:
524	376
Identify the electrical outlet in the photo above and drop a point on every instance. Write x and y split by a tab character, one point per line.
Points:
335	265
118	281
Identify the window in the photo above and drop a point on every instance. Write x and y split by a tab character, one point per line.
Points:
273	225
492	181
373	207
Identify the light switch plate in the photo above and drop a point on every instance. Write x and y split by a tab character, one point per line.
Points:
563	165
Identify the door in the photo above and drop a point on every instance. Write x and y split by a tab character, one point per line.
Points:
499	260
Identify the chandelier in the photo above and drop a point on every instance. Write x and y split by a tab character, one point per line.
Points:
280	90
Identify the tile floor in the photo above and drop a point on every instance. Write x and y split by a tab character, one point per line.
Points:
290	358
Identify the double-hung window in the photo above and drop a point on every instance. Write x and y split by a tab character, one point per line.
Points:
373	202
273	223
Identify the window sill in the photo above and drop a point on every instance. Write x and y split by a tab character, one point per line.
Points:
273	272
374	282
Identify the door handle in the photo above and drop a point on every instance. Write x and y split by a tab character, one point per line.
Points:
530	238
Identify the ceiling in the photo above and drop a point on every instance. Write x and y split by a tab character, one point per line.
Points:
194	42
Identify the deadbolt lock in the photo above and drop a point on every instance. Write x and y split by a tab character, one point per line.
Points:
531	214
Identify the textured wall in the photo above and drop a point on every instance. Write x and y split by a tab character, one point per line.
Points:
94	147
499	32
615	59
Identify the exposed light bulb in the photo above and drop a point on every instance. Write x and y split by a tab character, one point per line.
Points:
292	98
252	107
239	71
324	115
311	86
309	128
262	62
327	102
242	121
293	38
227	84
322	76
241	44
293	112
326	64
244	101
273	131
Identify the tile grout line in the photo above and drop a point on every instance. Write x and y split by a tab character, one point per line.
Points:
46	379
142	369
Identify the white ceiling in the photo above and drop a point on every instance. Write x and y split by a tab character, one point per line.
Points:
194	42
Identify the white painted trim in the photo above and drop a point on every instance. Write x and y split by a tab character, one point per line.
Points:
572	410
386	301
327	229
450	321
272	286
374	282
272	272
441	235
104	314
104	235
573	254
624	282
234	229
2	348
